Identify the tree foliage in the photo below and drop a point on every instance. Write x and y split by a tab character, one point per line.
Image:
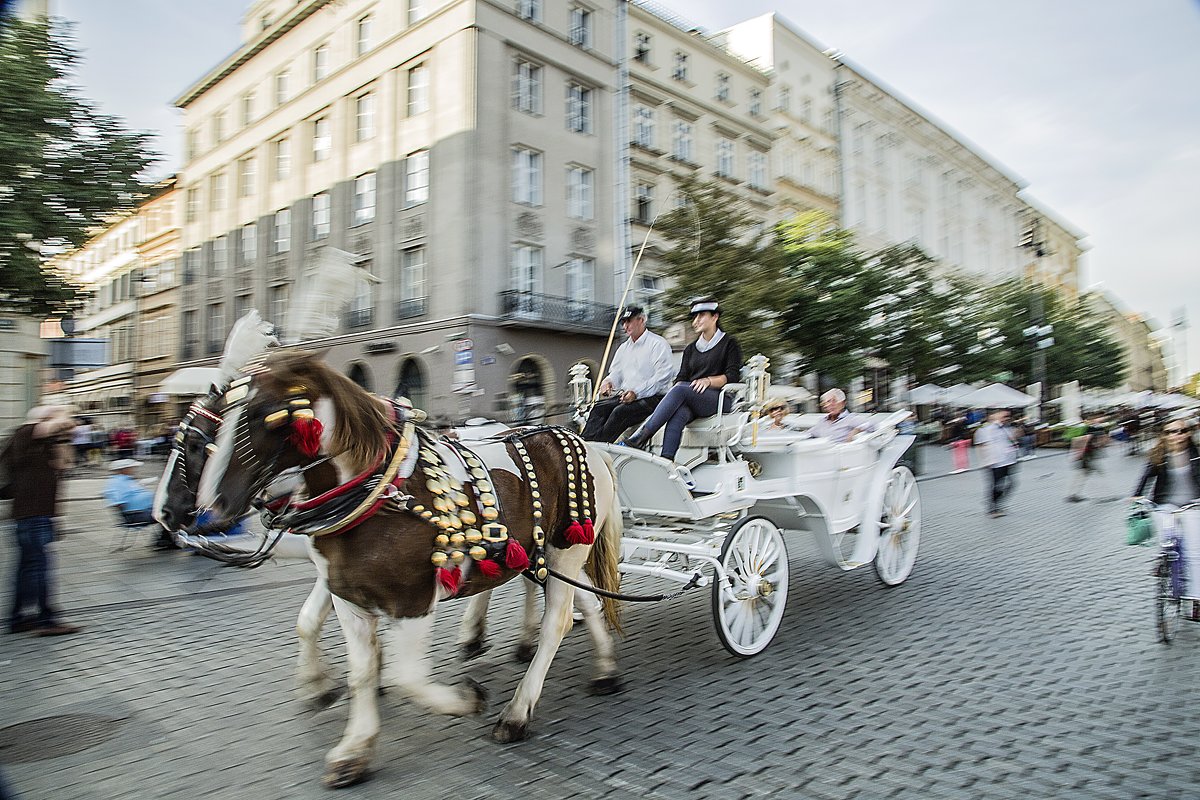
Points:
64	167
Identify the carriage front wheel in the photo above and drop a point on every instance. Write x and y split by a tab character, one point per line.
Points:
899	527
748	602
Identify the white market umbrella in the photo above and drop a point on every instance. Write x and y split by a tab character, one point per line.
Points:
956	391
927	394
996	395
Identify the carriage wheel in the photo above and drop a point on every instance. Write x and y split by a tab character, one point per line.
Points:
748	604
899	527
1168	609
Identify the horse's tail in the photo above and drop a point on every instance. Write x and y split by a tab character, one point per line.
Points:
602	562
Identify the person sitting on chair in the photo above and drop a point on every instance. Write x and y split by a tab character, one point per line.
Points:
710	362
132	500
774	411
640	375
838	424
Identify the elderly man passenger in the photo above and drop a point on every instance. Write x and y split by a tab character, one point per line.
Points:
641	374
838	424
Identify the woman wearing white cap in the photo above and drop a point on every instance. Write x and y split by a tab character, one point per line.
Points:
710	362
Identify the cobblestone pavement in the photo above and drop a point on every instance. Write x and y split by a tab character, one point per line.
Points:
1019	660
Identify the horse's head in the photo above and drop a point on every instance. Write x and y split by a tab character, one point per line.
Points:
175	498
288	413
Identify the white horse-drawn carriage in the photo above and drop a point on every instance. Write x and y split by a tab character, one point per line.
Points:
714	515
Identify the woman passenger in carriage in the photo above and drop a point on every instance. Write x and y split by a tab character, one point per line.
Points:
710	362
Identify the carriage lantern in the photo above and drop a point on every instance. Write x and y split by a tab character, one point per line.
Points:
581	389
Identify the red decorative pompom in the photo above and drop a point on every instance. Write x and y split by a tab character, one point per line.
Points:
589	532
575	533
515	556
448	579
306	435
488	568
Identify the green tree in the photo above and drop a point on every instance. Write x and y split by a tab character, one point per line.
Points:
64	167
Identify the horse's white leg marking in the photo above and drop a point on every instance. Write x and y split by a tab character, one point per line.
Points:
473	629
312	675
407	670
214	468
589	604
530	621
358	741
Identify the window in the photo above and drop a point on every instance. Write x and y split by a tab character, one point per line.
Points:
320	62
216	192
755	102
218	128
364	117
643	203
785	99
362	305
250	243
724	158
283	230
412	275
526	275
806	109
527	87
191	265
247	106
281	87
530	10
581	27
643	126
416	11
190	335
681	141
581	279
579	108
279	307
192	207
362	35
320	216
246	175
580	181
364	198
758	170
641	48
679	68
418	90
416	178
220	255
722	93
322	139
216	327
282	156
192	147
527	176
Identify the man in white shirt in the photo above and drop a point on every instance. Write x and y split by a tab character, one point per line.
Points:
838	424
642	372
998	450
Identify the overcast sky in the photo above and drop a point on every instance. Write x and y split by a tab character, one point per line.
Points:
1093	103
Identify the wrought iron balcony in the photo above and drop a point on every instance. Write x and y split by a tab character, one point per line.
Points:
547	311
412	307
359	318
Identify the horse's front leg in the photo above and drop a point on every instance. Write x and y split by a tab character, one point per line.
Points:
312	675
408	671
529	622
556	621
472	633
347	763
607	677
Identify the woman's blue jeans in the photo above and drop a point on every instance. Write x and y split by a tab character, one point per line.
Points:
680	406
32	584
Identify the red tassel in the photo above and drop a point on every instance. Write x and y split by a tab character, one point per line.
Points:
306	436
448	579
575	533
589	532
488	568
515	556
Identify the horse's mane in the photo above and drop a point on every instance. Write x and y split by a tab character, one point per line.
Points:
362	425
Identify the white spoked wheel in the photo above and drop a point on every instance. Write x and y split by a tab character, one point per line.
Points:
899	527
748	603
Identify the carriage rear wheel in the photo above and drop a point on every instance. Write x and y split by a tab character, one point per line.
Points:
899	527
748	603
1168	609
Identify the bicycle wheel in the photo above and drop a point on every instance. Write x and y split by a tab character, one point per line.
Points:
1168	609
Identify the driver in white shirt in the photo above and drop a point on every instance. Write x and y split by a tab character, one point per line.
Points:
642	372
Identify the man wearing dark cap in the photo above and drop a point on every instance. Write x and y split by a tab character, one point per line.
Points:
641	374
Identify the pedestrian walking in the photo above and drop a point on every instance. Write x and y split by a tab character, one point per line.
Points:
1085	453
960	444
34	459
998	447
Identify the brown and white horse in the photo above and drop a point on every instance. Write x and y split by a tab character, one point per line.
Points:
540	483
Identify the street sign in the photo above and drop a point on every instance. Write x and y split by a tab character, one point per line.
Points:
78	353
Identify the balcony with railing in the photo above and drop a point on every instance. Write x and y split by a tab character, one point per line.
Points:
411	307
560	313
357	318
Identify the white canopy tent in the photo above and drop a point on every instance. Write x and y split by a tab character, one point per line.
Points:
927	394
996	395
952	394
190	381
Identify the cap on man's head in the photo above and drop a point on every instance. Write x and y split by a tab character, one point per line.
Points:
124	463
631	312
704	304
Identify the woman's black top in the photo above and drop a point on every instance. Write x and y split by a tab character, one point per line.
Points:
723	359
1161	475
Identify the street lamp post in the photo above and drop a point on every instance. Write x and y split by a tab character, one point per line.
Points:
1038	331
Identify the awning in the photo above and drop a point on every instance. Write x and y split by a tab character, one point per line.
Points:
996	395
190	381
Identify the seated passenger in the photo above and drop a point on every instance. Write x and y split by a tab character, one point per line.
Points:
775	411
710	362
838	424
133	500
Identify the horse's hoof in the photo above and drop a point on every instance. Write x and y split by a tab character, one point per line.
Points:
507	732
610	684
525	652
326	698
472	650
346	773
481	695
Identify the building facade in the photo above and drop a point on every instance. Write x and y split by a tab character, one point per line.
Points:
1140	342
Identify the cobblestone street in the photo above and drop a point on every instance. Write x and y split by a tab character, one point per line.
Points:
1020	660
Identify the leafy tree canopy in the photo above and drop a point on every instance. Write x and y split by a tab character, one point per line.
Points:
64	166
